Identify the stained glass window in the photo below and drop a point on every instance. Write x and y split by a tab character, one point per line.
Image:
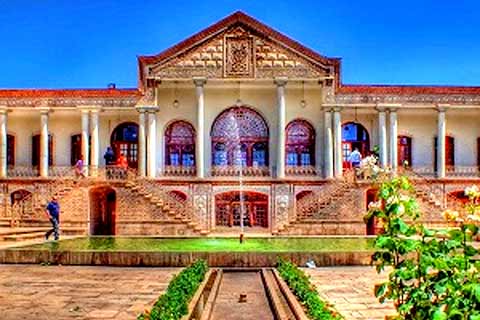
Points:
240	137
300	143
180	144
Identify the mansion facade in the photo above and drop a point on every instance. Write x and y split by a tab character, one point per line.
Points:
238	125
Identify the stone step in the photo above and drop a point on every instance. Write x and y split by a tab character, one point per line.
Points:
204	232
24	236
5	222
39	234
24	230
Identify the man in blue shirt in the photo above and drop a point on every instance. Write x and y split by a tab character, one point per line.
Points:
355	158
53	212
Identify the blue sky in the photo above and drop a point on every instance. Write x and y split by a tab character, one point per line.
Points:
90	43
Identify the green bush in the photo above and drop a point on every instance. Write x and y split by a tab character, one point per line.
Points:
174	303
300	284
433	274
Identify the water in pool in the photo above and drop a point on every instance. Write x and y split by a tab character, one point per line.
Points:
281	244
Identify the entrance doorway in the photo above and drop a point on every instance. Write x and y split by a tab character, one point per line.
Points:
102	211
354	136
404	151
124	140
229	209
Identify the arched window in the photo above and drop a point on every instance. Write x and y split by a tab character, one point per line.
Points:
404	151
300	145
21	201
240	137
180	144
354	136
124	140
36	150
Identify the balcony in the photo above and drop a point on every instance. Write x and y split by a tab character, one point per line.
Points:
68	172
179	171
301	171
235	171
117	173
450	171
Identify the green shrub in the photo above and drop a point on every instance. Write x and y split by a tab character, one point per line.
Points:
433	273
300	284
174	303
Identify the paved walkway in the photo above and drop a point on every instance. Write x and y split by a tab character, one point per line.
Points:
80	292
61	292
350	290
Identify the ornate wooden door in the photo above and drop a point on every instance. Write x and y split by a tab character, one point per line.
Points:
260	214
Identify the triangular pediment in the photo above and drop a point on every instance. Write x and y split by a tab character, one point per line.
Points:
238	47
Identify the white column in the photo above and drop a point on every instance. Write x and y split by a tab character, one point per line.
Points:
281	83
200	143
328	149
441	143
337	143
3	143
152	145
382	137
394	139
95	142
43	165
85	128
141	143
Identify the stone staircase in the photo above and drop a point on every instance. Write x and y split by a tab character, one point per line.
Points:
323	205
35	233
33	225
5	222
166	204
431	198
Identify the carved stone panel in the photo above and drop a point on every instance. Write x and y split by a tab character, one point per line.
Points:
274	61
283	205
205	60
239	57
201	199
239	52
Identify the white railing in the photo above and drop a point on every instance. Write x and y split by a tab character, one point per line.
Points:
117	173
463	171
179	171
69	172
450	171
22	171
300	171
229	171
61	172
